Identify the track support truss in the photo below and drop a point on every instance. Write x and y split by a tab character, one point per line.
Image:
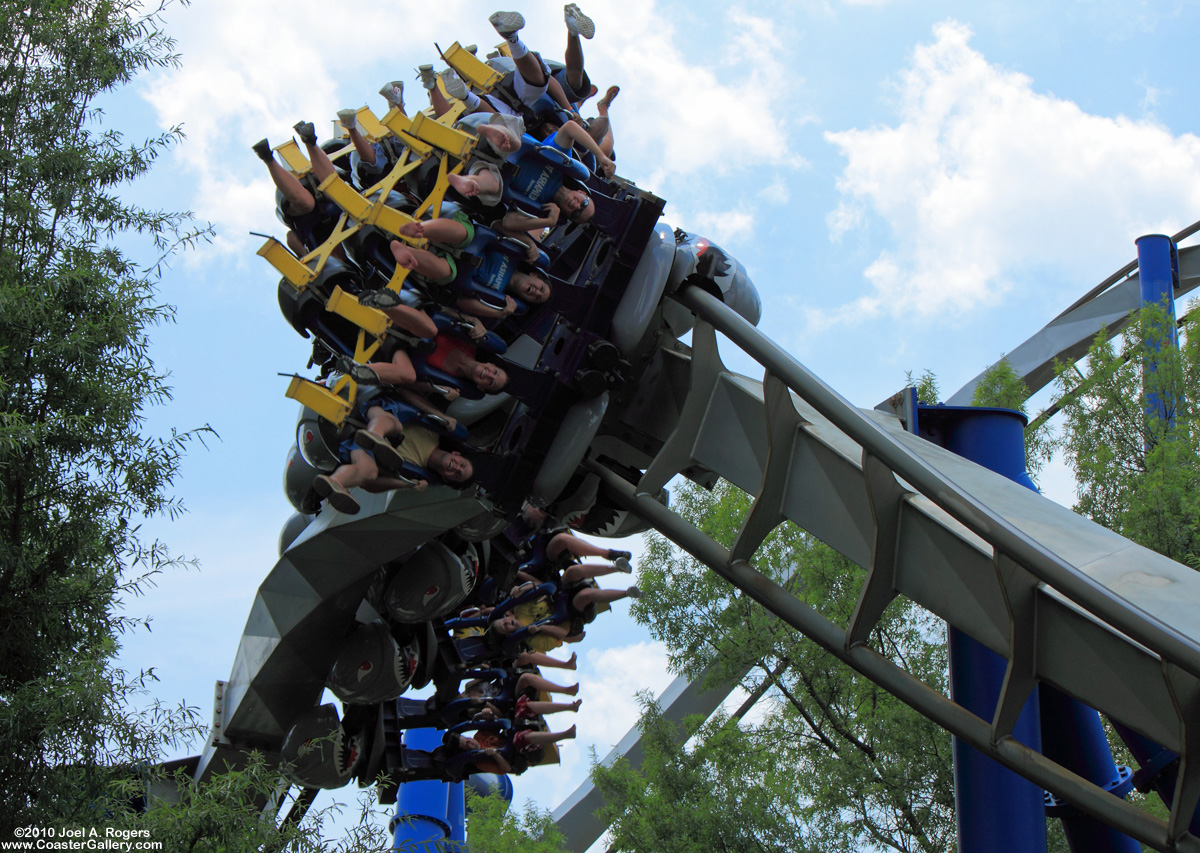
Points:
1066	602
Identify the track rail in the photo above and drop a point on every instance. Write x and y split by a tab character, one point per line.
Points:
1063	600
1105	308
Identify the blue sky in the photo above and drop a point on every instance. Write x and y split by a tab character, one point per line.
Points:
911	185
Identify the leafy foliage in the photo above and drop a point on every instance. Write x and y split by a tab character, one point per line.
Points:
1000	386
835	763
1135	474
76	470
731	791
225	815
493	828
1138	475
926	385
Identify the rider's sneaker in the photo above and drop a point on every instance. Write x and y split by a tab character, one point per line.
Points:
507	23
360	373
454	85
578	24
306	131
393	93
338	496
380	299
380	448
427	76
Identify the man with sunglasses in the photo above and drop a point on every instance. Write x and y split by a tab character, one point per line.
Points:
577	204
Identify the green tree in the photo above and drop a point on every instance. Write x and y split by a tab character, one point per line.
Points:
733	789
224	816
77	471
835	762
1136	475
881	774
1001	386
926	385
493	827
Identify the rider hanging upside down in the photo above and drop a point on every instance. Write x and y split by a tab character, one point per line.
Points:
361	468
457	231
537	178
456	357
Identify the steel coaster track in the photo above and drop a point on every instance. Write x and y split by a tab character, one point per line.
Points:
1064	600
1105	308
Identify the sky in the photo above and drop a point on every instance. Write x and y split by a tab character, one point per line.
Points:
911	185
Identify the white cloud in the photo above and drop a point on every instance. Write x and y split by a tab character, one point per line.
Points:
718	116
724	227
253	69
1152	98
984	178
776	192
609	681
844	218
615	675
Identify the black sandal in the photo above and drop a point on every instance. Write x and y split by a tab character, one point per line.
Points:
381	299
307	132
380	448
360	373
337	495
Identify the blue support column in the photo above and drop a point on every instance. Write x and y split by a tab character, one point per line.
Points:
490	784
1064	729
1073	735
428	814
997	811
1157	768
456	816
1158	275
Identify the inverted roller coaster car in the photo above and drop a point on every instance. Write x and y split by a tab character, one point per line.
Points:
372	667
597	371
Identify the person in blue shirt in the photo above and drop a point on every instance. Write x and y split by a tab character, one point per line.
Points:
536	177
496	270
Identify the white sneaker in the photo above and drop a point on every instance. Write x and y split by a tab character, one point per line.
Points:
393	93
507	23
454	85
426	76
578	24
348	118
